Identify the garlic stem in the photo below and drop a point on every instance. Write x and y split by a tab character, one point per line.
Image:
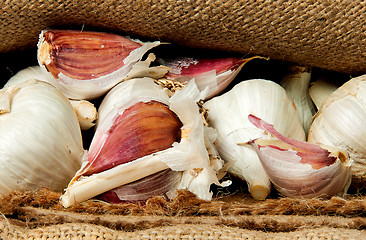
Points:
86	113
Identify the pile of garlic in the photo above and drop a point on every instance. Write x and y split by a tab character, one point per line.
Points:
151	136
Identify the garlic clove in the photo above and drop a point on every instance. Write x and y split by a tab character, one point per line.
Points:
215	74
296	82
187	154
85	65
142	129
320	90
228	114
157	184
39	134
299	169
339	122
85	112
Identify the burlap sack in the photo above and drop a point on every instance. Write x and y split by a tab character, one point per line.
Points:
325	34
321	33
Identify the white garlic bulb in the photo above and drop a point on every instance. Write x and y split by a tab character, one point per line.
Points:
40	141
339	122
228	114
301	170
115	160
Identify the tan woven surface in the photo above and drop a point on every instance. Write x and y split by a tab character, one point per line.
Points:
35	214
320	33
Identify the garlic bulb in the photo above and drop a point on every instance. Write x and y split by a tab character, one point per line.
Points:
228	114
215	74
132	108
320	90
85	65
85	110
296	83
40	142
299	169
339	122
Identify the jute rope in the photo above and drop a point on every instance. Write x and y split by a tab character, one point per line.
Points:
321	33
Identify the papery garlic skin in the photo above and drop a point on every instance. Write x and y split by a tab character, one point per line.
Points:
85	65
320	90
188	154
228	114
339	122
215	74
296	83
302	170
40	142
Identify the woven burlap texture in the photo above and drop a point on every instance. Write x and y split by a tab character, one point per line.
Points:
322	33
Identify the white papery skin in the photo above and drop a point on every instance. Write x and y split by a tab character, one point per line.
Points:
296	179
189	154
228	114
93	88
340	122
40	141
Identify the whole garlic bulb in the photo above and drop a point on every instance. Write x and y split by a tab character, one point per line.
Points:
339	122
40	141
228	114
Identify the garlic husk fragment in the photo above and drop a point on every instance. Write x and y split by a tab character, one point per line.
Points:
85	65
320	90
186	155
39	135
297	83
215	74
85	112
228	114
340	120
302	170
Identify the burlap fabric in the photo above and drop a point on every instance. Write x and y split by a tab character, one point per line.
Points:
321	33
325	34
39	215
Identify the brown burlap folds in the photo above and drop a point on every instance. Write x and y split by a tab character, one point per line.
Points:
322	33
39	215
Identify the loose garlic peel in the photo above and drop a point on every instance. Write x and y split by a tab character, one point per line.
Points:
228	114
302	170
186	156
339	122
39	134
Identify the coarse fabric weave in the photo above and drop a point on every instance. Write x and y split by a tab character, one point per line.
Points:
320	33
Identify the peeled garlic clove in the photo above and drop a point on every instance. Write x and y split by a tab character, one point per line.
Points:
39	135
297	83
320	90
339	122
104	169
157	184
299	169
85	65
228	114
215	74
